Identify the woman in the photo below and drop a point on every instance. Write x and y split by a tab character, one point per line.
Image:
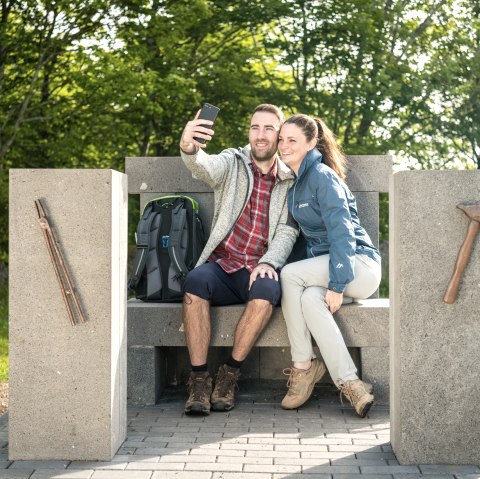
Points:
342	263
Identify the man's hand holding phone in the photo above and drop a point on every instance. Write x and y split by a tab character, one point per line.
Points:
198	131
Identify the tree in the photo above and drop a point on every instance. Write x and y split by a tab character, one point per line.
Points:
374	71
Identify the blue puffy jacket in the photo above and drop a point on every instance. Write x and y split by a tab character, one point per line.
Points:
326	212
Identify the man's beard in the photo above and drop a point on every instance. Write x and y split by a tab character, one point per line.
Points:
265	155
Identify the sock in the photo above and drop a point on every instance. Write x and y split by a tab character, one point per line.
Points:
199	369
233	363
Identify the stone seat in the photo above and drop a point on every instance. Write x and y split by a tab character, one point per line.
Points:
363	324
157	353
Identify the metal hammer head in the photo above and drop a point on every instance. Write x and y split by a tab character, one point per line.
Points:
472	211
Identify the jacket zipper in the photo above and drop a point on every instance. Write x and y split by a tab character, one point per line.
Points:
246	197
293	210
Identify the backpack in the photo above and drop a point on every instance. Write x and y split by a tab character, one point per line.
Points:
170	239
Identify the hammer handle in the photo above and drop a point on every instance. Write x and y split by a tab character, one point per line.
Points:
461	263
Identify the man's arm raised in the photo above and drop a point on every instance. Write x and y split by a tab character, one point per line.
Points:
195	129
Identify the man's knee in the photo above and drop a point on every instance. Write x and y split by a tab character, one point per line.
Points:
266	289
197	283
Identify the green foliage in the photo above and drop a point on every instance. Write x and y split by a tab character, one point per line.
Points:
85	84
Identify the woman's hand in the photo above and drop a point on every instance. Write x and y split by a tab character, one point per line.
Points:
262	269
334	300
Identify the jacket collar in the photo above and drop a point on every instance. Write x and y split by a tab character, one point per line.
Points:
312	157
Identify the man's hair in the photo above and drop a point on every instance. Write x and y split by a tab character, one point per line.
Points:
270	109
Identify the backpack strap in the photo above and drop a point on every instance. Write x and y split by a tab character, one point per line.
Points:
143	245
179	219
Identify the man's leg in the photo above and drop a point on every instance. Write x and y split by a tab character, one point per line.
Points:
251	324
196	322
202	285
263	295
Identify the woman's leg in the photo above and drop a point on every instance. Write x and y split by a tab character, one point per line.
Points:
304	286
368	274
292	278
327	335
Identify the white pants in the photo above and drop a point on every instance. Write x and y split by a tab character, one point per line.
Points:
304	285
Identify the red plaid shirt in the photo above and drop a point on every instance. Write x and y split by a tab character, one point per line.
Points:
247	242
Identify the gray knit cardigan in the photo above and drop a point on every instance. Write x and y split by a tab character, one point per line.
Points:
231	178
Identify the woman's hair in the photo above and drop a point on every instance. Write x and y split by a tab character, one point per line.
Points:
326	142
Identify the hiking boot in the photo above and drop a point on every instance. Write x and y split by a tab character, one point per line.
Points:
359	394
301	382
199	390
223	396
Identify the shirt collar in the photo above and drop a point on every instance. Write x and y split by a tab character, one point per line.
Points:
273	170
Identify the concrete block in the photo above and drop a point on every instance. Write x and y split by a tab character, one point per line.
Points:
68	383
368	212
435	358
146	373
152	174
369	172
375	370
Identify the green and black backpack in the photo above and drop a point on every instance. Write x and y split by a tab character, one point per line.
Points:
170	239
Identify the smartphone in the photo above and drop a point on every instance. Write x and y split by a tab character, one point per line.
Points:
208	112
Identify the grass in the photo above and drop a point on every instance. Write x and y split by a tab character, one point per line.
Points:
3	332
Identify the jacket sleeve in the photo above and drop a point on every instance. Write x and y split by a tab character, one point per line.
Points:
283	240
212	169
341	235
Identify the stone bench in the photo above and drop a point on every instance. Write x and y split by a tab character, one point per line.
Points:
157	354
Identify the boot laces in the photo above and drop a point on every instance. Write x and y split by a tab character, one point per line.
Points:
227	381
352	394
197	388
291	381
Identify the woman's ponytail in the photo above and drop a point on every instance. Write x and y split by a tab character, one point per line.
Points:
330	149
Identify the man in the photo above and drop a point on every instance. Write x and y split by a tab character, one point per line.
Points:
251	238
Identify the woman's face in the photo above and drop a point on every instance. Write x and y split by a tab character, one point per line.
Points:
293	145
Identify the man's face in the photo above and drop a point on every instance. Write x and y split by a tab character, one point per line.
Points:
263	135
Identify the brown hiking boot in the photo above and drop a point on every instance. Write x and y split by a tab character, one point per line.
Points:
359	394
199	390
223	396
300	383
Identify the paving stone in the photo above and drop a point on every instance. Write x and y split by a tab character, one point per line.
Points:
157	466
181	475
61	474
219	467
114	465
388	470
39	464
241	475
448	469
429	476
16	473
185	458
121	475
361	476
272	468
246	460
300	476
136	458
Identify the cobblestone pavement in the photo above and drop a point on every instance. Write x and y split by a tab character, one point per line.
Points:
256	440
